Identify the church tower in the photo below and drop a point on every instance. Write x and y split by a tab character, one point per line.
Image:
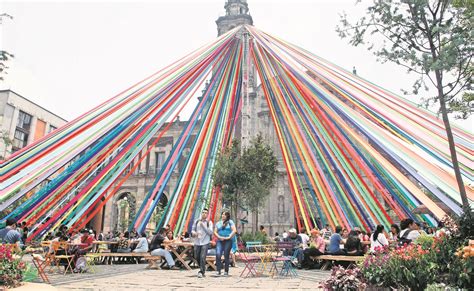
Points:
277	212
236	13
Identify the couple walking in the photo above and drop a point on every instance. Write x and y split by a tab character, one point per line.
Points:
202	232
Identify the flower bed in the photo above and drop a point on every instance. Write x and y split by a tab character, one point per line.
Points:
429	262
11	269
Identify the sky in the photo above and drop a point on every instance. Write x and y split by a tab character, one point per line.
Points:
72	55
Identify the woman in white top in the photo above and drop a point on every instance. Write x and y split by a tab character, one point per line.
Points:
142	246
378	239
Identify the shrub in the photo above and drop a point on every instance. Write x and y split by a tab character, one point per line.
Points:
344	279
374	268
11	269
258	236
408	267
428	260
425	241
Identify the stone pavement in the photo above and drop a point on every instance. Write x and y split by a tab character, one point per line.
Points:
136	277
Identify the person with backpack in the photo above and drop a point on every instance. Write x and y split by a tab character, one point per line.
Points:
201	232
408	232
224	231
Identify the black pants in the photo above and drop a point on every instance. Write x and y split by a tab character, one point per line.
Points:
310	252
200	253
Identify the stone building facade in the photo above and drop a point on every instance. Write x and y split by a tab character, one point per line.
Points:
277	212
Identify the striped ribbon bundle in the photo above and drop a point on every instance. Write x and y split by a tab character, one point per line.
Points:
355	154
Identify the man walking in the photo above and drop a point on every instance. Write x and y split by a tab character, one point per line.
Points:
201	232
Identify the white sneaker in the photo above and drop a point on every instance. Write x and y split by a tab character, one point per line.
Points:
199	275
218	274
226	274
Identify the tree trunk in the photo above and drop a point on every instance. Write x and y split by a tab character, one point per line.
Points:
452	146
447	125
256	219
235	207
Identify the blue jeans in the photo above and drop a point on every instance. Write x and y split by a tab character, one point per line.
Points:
223	246
164	253
200	254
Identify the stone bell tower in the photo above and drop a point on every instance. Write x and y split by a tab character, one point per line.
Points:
277	211
236	13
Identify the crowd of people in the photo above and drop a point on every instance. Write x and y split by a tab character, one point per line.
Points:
355	242
220	240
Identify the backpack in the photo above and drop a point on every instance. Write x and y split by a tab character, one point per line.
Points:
404	240
81	265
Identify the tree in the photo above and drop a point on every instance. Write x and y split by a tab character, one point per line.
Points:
245	176
229	177
7	142
432	38
259	162
4	55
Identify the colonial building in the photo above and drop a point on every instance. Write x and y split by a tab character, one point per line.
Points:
277	213
22	122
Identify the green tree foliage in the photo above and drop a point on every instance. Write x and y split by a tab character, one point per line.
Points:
4	55
245	176
230	177
432	38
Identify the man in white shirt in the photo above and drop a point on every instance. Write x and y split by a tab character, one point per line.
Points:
304	238
201	232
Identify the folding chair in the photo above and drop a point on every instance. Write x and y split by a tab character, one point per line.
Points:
249	261
256	246
40	264
287	267
62	246
90	261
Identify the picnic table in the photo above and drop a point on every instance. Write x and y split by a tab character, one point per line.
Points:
182	252
102	245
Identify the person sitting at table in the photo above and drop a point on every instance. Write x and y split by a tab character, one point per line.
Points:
378	240
157	249
335	243
123	245
316	247
142	245
297	242
185	237
58	252
170	237
353	246
9	234
62	231
86	241
211	250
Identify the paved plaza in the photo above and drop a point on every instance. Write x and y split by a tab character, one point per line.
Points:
136	277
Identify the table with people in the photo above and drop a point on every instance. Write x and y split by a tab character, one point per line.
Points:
217	241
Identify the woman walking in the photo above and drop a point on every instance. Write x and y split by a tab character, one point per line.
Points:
224	231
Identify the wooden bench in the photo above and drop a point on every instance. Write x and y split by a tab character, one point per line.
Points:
127	255
152	261
330	258
211	261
